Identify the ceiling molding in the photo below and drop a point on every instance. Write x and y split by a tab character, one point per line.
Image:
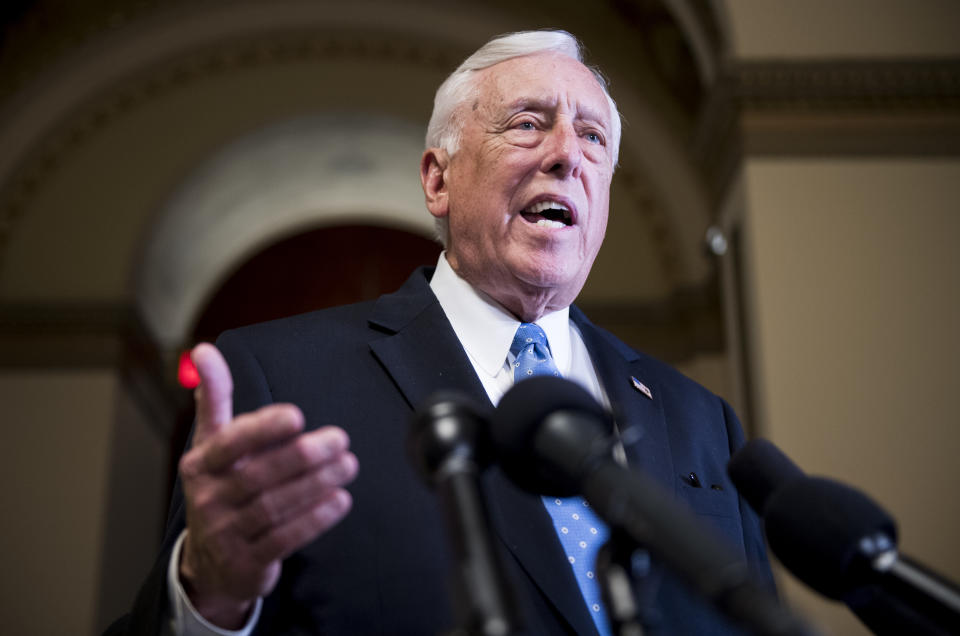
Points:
46	337
832	85
80	336
828	108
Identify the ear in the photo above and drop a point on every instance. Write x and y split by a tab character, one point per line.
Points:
433	178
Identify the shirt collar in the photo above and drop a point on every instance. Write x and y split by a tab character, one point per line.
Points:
486	329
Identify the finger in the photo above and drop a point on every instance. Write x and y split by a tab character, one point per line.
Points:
286	461
214	395
250	434
340	472
283	540
277	506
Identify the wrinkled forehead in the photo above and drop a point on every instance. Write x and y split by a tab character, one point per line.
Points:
545	81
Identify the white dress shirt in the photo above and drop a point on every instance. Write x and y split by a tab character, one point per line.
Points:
486	330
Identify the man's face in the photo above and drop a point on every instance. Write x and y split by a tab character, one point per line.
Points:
527	193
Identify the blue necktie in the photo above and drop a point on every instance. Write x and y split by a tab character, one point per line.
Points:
580	531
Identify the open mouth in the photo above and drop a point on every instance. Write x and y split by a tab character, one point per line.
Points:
548	214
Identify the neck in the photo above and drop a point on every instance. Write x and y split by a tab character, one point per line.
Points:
527	305
525	301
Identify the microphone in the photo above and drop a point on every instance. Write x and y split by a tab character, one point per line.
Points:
447	443
841	543
553	438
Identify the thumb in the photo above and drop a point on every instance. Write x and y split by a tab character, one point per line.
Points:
214	395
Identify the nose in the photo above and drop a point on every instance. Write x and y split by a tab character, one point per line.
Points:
563	156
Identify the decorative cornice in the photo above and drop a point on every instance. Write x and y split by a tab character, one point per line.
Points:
829	108
845	85
83	336
69	336
76	336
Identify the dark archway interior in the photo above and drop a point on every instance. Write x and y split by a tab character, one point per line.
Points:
312	270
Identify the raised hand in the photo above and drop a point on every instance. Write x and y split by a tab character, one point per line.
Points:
257	488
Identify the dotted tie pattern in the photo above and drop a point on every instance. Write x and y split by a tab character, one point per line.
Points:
580	531
532	353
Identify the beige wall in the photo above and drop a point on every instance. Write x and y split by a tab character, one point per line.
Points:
58	434
853	276
852	281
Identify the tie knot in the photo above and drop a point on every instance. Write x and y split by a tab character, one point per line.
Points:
532	353
529	333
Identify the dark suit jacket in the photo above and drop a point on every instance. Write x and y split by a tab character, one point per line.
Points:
386	569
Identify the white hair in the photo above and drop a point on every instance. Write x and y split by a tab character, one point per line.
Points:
446	122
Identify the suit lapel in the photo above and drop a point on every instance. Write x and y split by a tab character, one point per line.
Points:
638	413
422	355
636	400
420	351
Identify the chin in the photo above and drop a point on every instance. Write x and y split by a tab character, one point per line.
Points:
549	279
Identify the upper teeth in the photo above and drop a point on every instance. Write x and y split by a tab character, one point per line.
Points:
536	208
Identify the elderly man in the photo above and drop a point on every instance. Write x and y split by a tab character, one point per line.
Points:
266	537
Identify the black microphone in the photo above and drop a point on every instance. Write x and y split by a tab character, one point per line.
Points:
553	438
841	543
449	446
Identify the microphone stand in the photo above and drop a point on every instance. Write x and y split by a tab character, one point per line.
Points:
447	446
900	595
615	574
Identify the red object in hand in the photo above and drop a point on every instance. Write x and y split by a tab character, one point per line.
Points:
187	374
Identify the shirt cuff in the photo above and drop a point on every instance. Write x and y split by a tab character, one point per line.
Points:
184	618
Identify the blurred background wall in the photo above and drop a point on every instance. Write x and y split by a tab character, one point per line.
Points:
169	169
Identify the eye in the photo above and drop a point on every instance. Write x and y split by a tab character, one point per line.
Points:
594	138
526	125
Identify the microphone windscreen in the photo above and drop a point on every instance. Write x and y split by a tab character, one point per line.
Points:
825	532
760	469
525	406
520	426
448	429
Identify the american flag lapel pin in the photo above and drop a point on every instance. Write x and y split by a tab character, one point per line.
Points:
640	386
